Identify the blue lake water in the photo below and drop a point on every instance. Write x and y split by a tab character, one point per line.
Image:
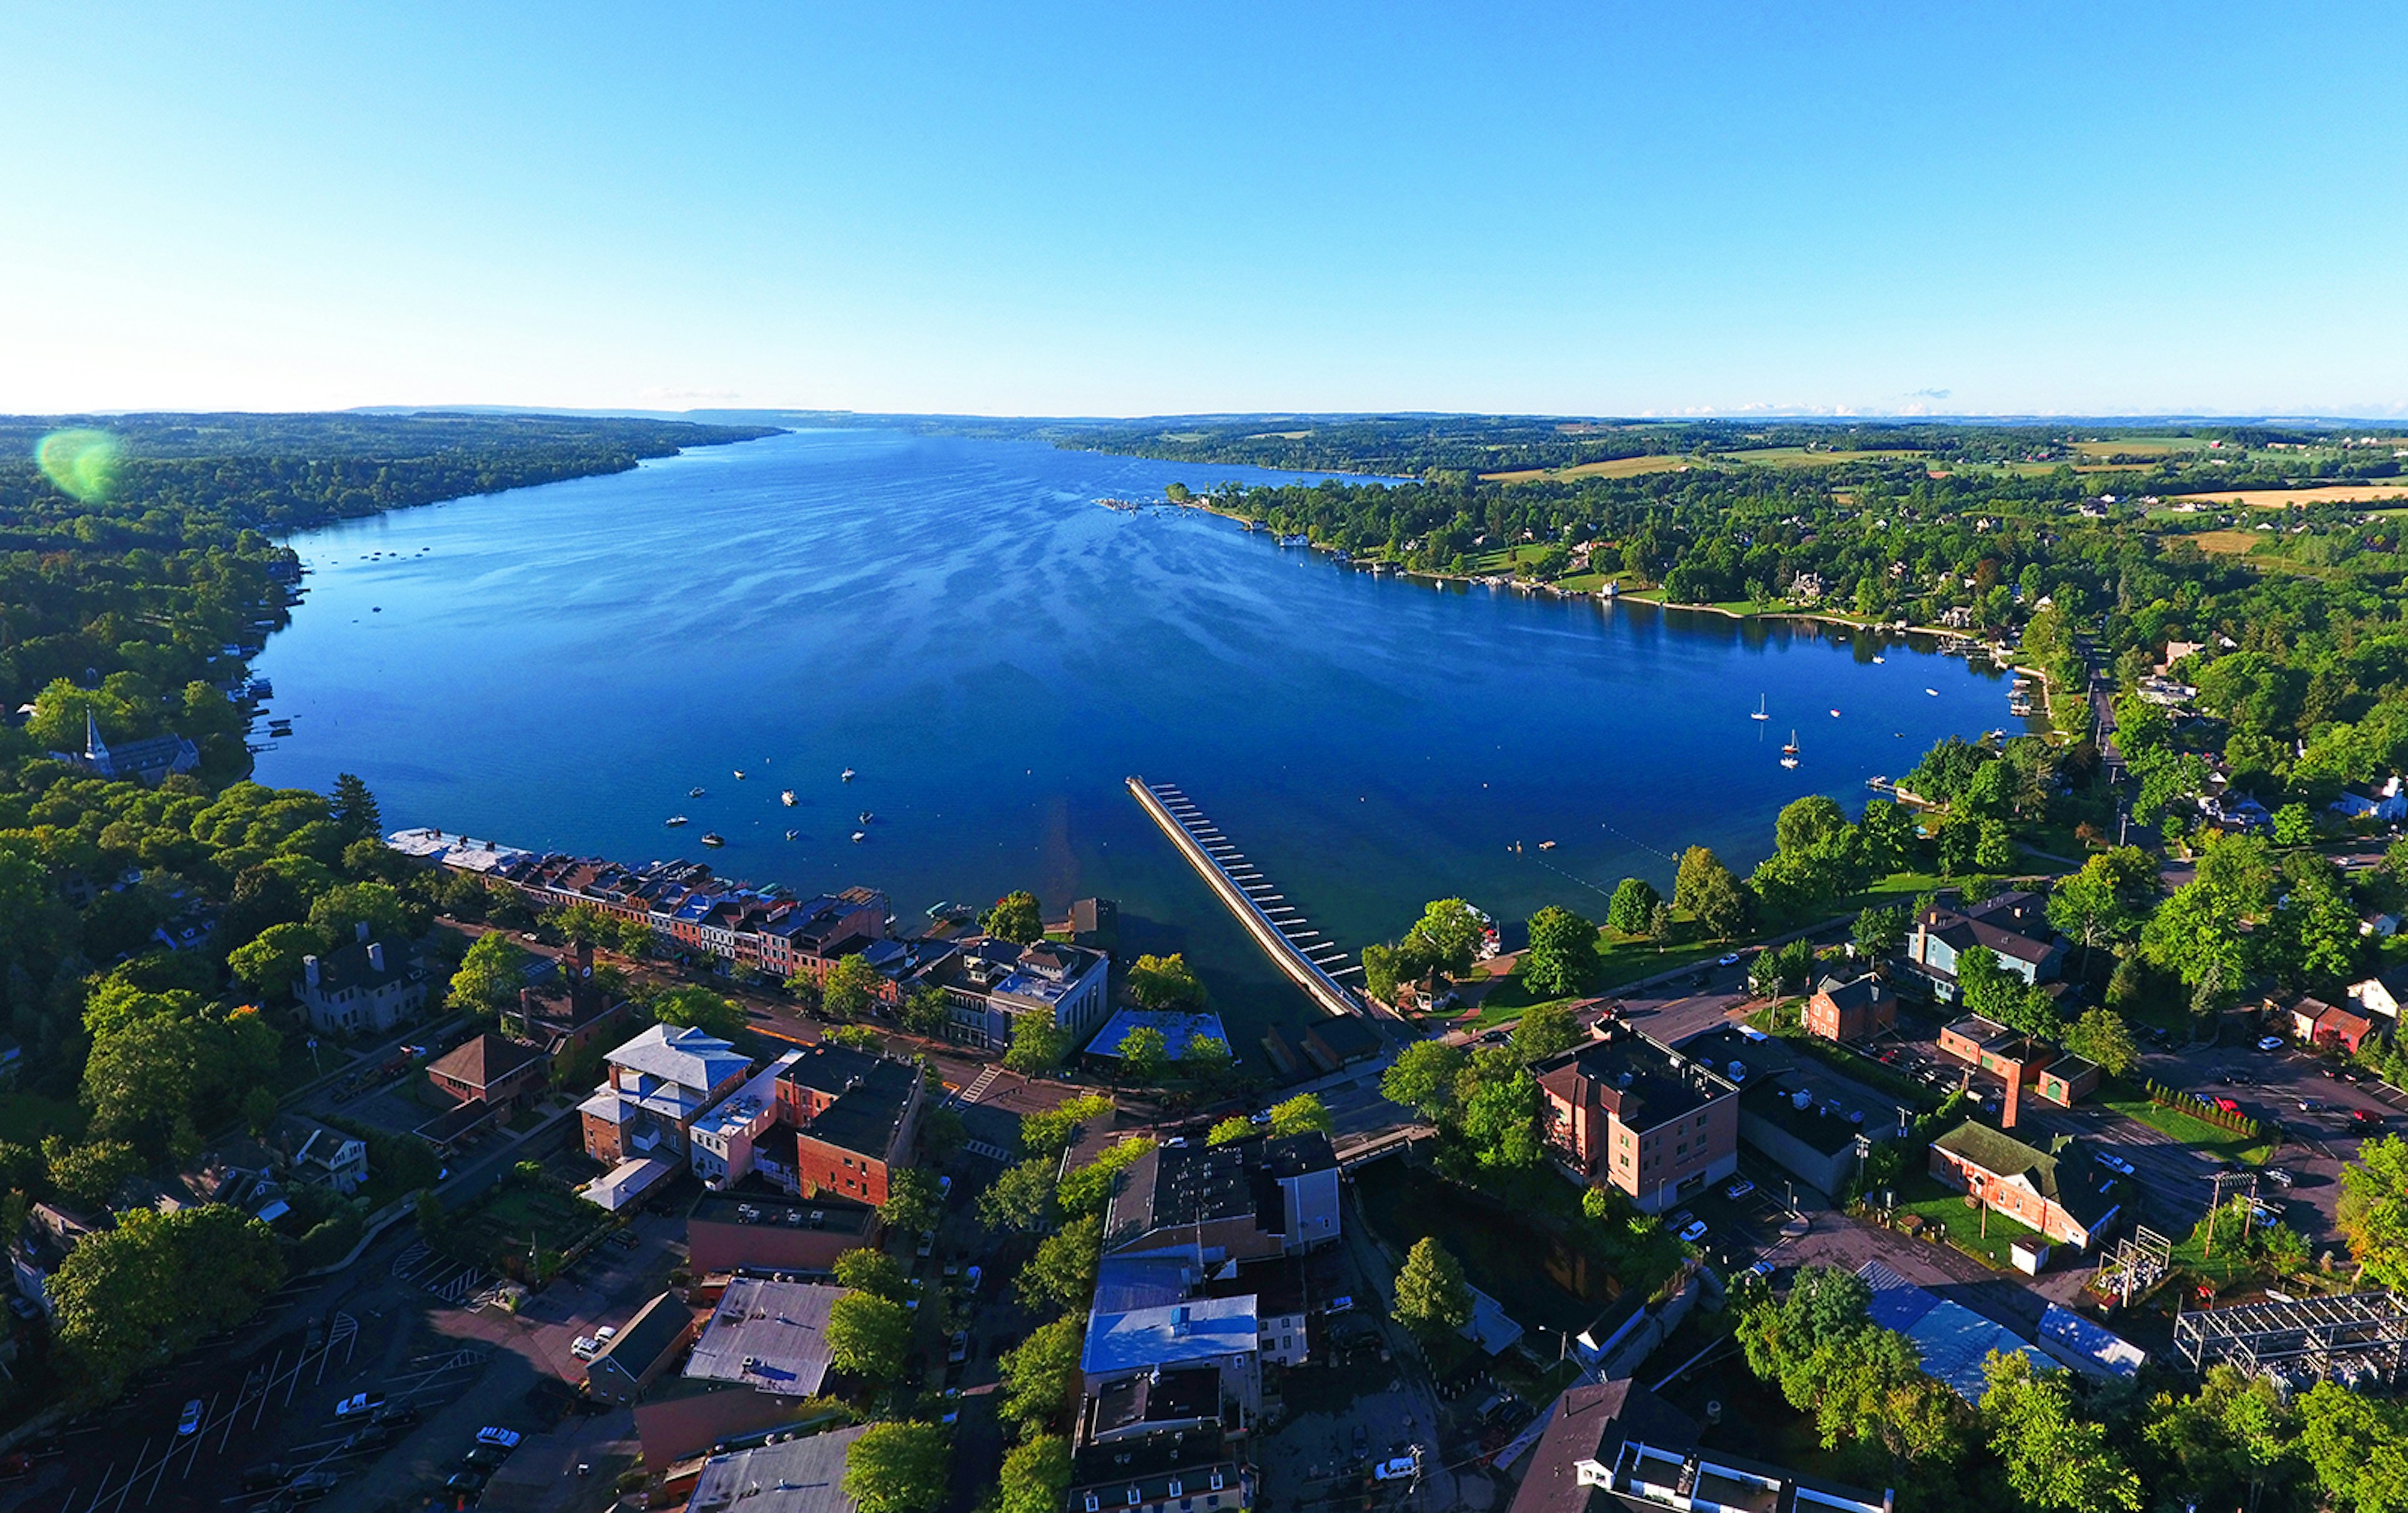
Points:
957	619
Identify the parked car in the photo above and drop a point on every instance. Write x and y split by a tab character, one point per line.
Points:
395	1414
2227	1104
189	1422
1728	959
1762	1271
266	1476
2365	1118
958	1350
1695	1233
16	1468
927	1244
2278	1176
1395	1468
360	1441
507	1438
464	1483
585	1347
311	1484
2310	1105
359	1405
2114	1163
1740	1188
2270	1042
484	1458
1343	1303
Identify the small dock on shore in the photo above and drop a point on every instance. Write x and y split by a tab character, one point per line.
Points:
1298	950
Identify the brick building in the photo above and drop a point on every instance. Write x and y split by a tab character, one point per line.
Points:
1628	1111
1851	1010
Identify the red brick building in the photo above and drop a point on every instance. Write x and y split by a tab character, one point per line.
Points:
1851	1010
491	1069
1628	1112
845	1120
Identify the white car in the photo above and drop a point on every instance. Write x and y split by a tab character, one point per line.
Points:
2116	1164
1761	1271
506	1438
1740	1188
2270	1042
191	1422
1396	1468
1730	960
359	1404
585	1347
1695	1233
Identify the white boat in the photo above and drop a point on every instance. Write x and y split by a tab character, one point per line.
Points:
867	816
693	792
1879	659
1546	845
846	775
712	838
787	798
1759	714
739	775
1934	692
791	835
674	821
1789	752
859	836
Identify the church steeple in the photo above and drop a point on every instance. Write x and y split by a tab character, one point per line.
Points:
93	749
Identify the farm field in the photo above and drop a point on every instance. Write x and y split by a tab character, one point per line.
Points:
1801	457
2278	499
1613	467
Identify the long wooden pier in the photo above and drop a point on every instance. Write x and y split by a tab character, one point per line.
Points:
1285	936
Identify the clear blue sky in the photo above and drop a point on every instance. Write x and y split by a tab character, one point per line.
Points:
1124	209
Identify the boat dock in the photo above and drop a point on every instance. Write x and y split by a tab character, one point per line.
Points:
1286	936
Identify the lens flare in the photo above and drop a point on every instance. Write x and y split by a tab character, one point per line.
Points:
82	463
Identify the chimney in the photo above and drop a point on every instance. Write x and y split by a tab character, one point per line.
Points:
376	956
2015	1096
309	970
361	929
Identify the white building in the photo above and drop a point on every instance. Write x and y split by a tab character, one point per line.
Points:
720	1151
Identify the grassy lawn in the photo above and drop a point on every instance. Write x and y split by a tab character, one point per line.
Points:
25	1117
2224	1145
1986	1239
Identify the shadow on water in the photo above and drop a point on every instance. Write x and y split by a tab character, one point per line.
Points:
1541	1282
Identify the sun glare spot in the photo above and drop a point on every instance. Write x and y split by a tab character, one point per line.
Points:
82	463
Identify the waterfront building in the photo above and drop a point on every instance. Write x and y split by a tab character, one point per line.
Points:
363	986
1000	980
1633	1114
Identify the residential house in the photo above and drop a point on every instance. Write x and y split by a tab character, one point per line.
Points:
2010	926
654	1088
2384	802
363	986
2060	1191
2235	811
42	1244
844	1124
2311	1022
239	1173
1244	1201
1613	1446
501	1074
319	1154
1853	1010
2383	994
1633	1114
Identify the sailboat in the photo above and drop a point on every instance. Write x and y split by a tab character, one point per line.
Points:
1759	714
1789	752
787	798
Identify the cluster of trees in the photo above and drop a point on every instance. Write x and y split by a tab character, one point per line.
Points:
1447	937
1484	1103
2052	1441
